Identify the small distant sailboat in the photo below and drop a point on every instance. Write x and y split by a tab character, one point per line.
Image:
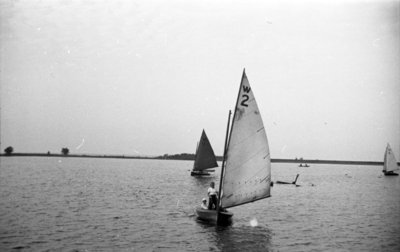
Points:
390	163
246	166
205	158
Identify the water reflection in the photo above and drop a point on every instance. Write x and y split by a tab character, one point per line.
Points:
238	237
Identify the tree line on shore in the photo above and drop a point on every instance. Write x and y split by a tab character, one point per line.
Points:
9	151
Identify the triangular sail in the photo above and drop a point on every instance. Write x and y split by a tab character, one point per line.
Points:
205	157
390	163
247	173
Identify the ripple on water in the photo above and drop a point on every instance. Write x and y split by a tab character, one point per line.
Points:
106	204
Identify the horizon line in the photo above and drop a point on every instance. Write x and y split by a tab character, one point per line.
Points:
176	157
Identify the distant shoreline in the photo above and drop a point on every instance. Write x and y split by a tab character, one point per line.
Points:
190	157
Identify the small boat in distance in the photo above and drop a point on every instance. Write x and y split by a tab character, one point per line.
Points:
304	165
205	158
246	166
389	163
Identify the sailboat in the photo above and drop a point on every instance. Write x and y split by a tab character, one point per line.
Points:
246	166
390	163
205	158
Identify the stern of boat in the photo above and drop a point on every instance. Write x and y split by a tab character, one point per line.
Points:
210	216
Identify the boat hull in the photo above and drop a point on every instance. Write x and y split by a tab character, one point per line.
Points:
199	173
284	183
224	217
390	173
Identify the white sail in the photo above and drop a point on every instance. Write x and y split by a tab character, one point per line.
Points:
247	173
390	163
205	157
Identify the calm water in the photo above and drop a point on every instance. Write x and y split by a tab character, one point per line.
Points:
72	204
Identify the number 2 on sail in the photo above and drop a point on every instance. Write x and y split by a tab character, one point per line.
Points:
244	101
245	97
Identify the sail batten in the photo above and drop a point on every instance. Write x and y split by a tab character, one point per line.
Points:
247	173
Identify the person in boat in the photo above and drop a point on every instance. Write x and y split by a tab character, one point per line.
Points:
204	204
212	195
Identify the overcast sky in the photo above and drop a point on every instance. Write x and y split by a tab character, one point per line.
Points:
145	77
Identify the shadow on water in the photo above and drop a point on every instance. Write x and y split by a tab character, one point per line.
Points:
234	237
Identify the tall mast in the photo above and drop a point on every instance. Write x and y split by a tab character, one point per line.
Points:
223	164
